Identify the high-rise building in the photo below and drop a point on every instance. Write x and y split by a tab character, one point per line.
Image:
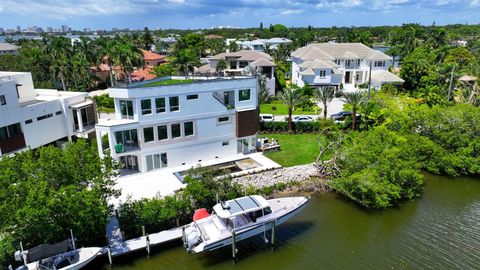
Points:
19	29
49	29
64	28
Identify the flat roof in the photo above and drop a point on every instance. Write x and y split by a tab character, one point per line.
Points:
240	206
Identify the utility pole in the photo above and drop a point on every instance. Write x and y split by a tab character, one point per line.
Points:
451	83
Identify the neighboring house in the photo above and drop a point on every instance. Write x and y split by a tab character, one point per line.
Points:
261	45
7	48
30	118
336	64
151	60
238	62
181	124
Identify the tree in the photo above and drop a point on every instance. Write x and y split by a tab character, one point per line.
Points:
221	65
147	39
291	98
163	70
263	93
232	46
325	94
354	99
47	191
107	47
128	56
185	60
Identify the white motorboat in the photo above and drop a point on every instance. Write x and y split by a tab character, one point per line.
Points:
60	256
238	219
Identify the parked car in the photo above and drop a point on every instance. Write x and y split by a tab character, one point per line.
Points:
267	118
303	118
342	115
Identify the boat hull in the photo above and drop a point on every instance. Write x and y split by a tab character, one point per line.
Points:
250	231
85	255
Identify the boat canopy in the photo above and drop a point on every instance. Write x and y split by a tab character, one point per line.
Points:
240	206
47	250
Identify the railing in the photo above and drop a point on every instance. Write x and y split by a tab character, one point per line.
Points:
220	96
127	147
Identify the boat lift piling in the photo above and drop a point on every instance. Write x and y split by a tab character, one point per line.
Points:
272	242
109	254
148	244
234	246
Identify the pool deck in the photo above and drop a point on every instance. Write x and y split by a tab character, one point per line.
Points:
164	182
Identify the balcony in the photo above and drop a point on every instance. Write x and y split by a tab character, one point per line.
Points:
226	98
127	147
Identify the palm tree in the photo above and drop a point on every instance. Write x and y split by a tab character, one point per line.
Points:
355	99
106	47
325	94
185	59
221	65
59	50
128	56
291	98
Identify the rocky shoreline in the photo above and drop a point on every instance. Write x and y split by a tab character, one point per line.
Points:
303	177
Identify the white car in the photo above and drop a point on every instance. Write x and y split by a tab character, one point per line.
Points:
267	118
304	118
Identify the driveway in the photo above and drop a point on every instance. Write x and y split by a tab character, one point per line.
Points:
335	106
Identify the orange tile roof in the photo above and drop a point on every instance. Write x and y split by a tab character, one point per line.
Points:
142	74
148	55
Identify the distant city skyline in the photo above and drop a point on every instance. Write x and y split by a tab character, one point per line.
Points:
194	14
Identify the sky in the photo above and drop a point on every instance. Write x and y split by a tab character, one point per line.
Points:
194	14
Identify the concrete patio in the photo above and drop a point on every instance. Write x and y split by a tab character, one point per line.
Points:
164	182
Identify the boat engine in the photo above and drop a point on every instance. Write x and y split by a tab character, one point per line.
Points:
192	238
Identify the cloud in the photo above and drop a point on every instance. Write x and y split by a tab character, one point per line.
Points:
180	13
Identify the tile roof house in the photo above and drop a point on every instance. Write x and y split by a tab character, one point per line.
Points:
7	48
238	62
348	64
151	60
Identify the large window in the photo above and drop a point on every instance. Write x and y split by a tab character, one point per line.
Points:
233	64
162	133
146	106
10	131
127	137
176	133
379	63
156	161
174	104
126	109
323	73
188	128
3	101
148	134
160	105
244	95
242	64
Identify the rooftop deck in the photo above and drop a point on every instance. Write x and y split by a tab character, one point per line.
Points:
175	80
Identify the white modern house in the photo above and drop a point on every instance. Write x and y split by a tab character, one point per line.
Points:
261	45
341	64
238	62
30	118
173	125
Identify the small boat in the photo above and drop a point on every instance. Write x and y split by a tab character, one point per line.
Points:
60	256
238	219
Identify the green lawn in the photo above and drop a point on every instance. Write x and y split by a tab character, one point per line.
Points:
281	109
296	149
167	82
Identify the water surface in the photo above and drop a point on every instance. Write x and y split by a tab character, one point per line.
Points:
441	230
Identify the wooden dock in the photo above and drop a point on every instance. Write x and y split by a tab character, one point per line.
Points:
117	246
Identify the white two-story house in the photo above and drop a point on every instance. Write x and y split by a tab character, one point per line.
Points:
336	64
173	125
30	118
238	62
